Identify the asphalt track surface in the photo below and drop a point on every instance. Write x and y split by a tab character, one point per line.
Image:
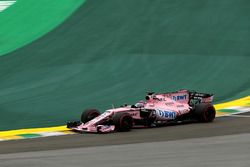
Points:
220	127
223	151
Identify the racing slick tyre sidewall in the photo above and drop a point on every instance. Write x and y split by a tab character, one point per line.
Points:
89	114
204	112
123	122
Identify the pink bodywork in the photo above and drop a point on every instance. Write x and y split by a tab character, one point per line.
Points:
167	106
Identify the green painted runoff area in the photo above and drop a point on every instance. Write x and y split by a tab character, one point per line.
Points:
228	110
27	20
111	52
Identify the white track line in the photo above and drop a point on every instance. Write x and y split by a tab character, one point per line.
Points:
46	134
240	110
240	116
5	4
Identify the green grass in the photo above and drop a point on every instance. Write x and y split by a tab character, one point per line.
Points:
28	20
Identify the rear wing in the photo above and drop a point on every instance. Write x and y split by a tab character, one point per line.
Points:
184	96
201	97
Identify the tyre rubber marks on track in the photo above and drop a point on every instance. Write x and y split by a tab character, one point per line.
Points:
5	4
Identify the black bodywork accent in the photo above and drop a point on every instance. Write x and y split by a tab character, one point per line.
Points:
196	97
73	124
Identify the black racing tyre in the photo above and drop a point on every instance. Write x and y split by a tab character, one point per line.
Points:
89	114
123	122
204	112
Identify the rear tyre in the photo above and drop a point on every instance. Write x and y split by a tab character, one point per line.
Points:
89	114
123	122
204	112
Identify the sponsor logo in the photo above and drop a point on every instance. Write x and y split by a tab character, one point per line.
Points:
199	98
161	99
180	97
167	114
169	103
180	106
134	114
184	111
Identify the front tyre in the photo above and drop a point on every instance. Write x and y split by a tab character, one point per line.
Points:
89	114
123	122
204	112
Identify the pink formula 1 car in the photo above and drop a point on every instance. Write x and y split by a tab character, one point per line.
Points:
158	109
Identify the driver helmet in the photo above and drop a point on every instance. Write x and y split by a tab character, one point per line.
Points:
141	103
